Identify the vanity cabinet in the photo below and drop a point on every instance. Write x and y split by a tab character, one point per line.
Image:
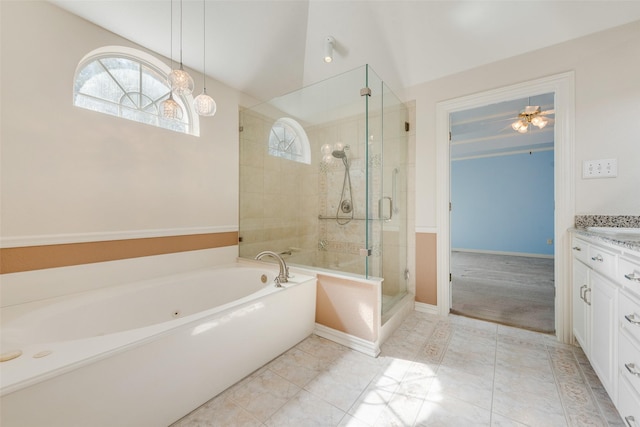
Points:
603	355
606	318
594	309
580	297
629	339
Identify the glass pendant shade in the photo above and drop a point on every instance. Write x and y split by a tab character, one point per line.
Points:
204	104
539	121
171	109
181	82
520	125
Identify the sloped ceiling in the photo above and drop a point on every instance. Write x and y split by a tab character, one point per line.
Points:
266	48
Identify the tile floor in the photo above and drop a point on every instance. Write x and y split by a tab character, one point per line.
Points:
433	371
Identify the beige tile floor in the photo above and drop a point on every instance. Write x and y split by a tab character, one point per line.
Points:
433	371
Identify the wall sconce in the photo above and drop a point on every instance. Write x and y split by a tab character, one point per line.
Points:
329	44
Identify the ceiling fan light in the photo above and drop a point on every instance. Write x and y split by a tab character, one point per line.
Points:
523	129
518	125
539	121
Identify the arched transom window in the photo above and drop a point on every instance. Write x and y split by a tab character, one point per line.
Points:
288	140
130	84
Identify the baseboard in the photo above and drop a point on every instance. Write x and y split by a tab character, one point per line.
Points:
426	308
398	314
363	346
522	254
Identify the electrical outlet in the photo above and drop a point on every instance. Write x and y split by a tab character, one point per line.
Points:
607	168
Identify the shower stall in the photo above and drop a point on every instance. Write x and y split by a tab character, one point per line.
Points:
323	180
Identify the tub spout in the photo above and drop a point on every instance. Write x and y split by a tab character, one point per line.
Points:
284	270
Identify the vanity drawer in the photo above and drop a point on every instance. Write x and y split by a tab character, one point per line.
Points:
629	362
628	404
629	315
580	249
629	274
602	261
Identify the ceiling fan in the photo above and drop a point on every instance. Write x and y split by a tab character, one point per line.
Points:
532	115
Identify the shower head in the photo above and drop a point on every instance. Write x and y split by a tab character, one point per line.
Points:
339	154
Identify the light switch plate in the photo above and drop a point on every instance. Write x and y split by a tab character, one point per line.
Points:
606	168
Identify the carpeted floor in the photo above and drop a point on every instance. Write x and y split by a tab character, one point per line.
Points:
511	290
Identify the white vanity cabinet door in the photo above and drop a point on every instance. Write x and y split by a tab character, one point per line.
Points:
604	327
581	317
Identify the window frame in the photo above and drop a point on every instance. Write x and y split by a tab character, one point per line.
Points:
190	118
301	139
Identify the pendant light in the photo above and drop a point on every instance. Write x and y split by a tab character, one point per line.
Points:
204	104
170	109
181	82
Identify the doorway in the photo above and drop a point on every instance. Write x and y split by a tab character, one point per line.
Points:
562	86
502	215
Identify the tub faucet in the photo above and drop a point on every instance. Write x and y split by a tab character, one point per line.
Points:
284	270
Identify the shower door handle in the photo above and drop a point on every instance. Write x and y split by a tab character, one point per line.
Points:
381	208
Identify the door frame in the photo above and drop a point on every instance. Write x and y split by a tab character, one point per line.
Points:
563	87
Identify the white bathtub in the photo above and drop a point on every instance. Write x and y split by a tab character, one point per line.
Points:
147	353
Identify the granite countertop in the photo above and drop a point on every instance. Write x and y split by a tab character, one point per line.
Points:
618	235
624	240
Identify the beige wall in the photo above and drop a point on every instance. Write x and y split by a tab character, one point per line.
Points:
426	269
69	171
349	306
607	107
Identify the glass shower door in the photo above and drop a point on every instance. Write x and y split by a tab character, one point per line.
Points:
386	189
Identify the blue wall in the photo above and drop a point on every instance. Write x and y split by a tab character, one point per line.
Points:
503	203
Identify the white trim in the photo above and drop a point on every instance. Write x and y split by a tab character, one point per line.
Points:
427	308
482	251
563	86
58	239
506	153
429	230
363	346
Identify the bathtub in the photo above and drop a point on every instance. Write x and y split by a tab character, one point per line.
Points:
146	353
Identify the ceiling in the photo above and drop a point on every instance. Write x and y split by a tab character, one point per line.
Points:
486	131
266	48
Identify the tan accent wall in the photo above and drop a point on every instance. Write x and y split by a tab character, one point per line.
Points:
426	268
13	260
348	306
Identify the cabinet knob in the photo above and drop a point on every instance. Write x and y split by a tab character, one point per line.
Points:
597	258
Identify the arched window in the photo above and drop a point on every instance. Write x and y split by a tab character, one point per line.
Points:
288	140
131	84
